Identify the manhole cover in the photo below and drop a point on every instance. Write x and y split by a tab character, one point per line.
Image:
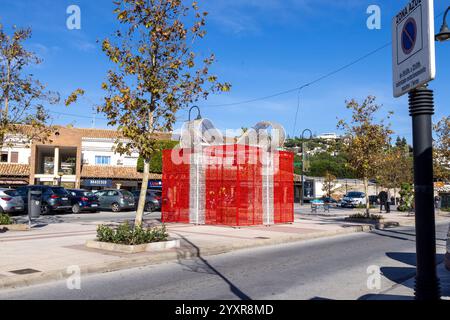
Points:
24	271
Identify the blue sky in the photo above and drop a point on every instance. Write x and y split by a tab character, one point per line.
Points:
262	46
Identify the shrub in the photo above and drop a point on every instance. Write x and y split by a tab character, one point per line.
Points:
5	219
128	235
363	206
360	216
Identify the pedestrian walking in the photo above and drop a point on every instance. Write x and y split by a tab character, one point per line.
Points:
383	196
437	202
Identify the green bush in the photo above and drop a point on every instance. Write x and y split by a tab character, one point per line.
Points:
5	219
156	161
407	198
128	235
363	206
360	216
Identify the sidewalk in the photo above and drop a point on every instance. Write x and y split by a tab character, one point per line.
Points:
405	291
45	253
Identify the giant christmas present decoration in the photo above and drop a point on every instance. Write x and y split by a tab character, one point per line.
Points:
243	183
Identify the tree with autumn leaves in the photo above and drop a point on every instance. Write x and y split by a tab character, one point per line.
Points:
23	98
396	167
442	149
366	142
156	73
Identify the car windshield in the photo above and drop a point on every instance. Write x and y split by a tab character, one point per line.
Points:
88	194
12	193
126	193
354	195
59	191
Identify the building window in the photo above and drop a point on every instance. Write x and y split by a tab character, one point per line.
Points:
102	160
4	157
14	157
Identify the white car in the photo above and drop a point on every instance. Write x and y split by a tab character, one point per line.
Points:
354	199
11	202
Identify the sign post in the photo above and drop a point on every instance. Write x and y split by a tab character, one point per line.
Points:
413	67
414	62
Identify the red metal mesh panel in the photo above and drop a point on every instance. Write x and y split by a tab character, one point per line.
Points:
284	189
233	179
175	195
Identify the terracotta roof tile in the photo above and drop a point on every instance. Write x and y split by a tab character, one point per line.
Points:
14	170
116	172
93	133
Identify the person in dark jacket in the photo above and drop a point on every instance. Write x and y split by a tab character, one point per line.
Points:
383	196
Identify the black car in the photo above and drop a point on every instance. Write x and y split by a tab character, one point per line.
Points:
329	200
83	200
152	200
52	199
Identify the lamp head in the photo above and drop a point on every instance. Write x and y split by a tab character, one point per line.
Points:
444	34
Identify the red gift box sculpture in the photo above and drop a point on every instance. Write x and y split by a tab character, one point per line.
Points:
247	183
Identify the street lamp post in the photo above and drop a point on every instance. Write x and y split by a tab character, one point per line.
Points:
444	34
199	116
303	162
421	107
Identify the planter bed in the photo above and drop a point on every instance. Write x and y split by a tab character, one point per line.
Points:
16	227
379	224
149	247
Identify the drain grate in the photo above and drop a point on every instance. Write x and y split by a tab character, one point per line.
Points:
262	238
24	271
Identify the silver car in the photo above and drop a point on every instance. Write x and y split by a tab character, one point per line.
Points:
11	201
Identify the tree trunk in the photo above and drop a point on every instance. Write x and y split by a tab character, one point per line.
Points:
366	191
144	187
143	195
395	196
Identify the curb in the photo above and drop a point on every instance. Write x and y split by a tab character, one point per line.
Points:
185	252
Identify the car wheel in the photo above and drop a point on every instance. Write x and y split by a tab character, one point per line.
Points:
45	209
149	207
76	208
115	207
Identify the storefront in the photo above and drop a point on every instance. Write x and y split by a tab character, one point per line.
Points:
96	184
155	184
14	175
11	182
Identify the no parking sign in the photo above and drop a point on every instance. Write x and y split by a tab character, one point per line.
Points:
414	62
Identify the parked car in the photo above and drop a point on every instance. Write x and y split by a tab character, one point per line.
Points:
11	202
116	200
447	255
83	200
329	200
354	199
53	198
152	200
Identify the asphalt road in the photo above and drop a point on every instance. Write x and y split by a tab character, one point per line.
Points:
332	268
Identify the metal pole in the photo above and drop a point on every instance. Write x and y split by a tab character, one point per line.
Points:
421	105
303	162
303	177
